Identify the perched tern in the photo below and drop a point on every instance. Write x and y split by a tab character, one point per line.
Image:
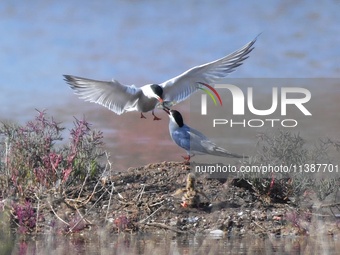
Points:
121	98
192	140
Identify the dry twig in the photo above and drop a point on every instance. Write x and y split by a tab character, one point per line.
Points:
57	214
141	221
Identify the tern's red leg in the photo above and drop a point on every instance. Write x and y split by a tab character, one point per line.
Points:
155	117
142	116
188	157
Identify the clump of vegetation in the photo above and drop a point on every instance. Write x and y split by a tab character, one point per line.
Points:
33	163
32	160
291	152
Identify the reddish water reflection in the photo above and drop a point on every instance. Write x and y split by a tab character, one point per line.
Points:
170	244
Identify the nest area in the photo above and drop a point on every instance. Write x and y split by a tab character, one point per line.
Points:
147	199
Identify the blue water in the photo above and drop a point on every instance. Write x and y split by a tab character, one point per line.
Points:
137	42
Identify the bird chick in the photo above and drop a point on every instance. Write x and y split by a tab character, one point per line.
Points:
191	196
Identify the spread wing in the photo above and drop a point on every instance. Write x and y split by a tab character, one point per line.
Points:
179	88
111	94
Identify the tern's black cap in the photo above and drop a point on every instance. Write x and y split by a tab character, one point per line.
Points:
157	89
178	117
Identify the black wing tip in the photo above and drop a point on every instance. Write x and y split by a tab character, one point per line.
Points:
71	81
245	50
254	40
251	43
250	46
68	78
258	35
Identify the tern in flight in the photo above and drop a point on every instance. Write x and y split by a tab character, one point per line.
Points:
121	98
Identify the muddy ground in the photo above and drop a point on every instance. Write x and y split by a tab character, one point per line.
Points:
142	199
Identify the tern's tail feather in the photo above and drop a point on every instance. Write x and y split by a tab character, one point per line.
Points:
218	151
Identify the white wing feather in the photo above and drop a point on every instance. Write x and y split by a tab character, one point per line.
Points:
179	88
113	95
